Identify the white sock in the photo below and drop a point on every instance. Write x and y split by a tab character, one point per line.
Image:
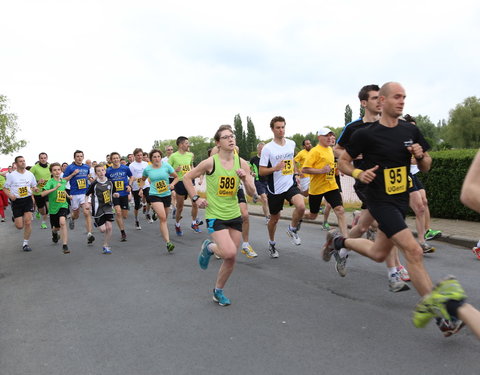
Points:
177	225
343	252
209	247
25	242
478	243
194	222
245	244
271	242
392	270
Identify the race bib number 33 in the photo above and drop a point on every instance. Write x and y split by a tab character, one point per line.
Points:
226	186
288	169
396	181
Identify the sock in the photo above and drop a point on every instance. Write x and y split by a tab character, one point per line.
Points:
391	270
293	229
177	225
452	307
218	290
245	244
122	231
343	252
89	234
65	247
25	242
339	242
194	222
209	247
270	242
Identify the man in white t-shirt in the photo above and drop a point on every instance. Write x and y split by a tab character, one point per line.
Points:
140	188
277	163
19	187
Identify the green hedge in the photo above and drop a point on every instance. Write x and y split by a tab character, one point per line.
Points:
443	184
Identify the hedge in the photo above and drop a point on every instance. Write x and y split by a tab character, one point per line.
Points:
443	184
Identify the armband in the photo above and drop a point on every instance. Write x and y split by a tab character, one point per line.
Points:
356	172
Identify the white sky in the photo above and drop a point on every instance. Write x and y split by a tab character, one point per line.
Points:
106	76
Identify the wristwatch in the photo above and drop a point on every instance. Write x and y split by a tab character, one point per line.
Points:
195	198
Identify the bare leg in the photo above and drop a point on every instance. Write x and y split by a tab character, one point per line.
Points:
227	242
63	230
299	203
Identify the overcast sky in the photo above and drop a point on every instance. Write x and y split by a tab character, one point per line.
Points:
105	76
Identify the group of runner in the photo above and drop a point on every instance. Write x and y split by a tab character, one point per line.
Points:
377	151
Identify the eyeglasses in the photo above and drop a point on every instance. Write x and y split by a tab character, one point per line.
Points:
231	136
169	149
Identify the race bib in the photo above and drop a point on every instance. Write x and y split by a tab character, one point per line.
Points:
40	186
61	196
106	196
186	168
396	181
82	183
23	192
226	186
140	182
288	169
331	174
119	185
161	186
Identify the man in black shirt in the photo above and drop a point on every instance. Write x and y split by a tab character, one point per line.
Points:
387	146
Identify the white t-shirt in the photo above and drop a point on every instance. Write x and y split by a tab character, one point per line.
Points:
20	184
137	173
272	153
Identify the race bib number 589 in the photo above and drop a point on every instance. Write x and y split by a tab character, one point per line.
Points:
226	186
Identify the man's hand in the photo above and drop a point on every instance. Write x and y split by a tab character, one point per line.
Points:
368	175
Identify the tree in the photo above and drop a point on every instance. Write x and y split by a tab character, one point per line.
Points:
348	114
362	111
161	145
240	136
429	130
463	128
251	141
8	130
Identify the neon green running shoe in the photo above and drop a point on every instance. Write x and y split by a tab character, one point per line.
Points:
434	304
37	215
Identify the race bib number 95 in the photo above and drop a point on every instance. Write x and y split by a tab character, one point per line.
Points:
396	181
226	186
288	169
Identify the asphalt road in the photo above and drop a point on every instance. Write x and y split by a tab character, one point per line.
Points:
143	311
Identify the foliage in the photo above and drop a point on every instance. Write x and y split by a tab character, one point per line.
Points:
348	114
251	140
443	184
240	135
463	128
8	130
362	111
162	145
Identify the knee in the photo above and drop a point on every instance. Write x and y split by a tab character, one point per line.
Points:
245	217
339	210
413	252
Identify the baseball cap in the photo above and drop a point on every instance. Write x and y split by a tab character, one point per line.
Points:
324	131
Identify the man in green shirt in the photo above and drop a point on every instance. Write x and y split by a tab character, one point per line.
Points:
42	174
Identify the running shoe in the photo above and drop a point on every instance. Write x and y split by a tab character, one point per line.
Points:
326	226
448	327
65	249
371	234
328	248
54	237
427	248
404	275
106	250
149	218
124	237
434	304
476	251
273	252
144	209
71	224
294	236
204	255
341	264
321	210
431	234
199	221
3	220
26	248
299	224
170	247
174	212
90	238
220	298
137	225
396	284
154	216
255	198
43	226
195	228
37	215
178	231
249	252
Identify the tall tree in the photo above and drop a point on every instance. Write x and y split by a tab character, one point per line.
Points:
240	135
8	130
428	129
348	114
362	111
463	128
252	140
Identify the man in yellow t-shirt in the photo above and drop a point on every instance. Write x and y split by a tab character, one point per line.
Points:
320	165
300	159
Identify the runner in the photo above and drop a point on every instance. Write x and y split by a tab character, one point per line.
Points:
387	146
140	187
3	197
320	165
276	162
182	162
120	175
260	181
103	192
57	205
41	171
159	173
18	187
300	159
77	174
223	173
168	153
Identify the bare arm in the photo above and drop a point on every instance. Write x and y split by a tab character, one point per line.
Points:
470	195
202	168
345	166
